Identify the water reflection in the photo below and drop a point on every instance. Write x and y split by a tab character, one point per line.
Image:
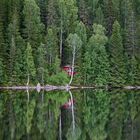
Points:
91	115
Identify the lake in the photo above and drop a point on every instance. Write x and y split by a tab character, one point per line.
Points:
60	115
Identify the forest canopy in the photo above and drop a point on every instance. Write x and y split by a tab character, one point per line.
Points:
34	40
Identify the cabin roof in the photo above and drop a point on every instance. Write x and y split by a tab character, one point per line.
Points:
66	66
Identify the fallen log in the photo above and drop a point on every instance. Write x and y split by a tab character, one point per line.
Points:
67	87
132	87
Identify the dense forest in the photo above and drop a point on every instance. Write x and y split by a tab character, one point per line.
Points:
37	38
100	39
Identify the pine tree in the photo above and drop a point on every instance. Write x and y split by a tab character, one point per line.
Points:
96	63
51	47
3	30
2	46
1	72
80	30
129	29
99	19
133	75
41	64
83	11
29	62
130	40
52	17
117	58
12	56
33	27
16	45
92	6
109	15
43	11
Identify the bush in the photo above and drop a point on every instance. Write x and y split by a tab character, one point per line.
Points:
60	78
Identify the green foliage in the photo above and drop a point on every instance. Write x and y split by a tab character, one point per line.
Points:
51	46
109	15
73	134
42	71
117	57
83	12
96	108
41	124
68	10
29	61
98	115
60	78
96	65
33	26
19	108
52	15
74	42
99	16
117	116
133	71
29	115
56	66
22	22
80	30
1	72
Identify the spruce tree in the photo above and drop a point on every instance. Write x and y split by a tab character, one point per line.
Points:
134	78
29	62
99	19
109	15
16	46
129	29
130	40
80	30
41	64
1	72
96	63
83	11
117	58
2	45
52	17
43	10
33	27
51	49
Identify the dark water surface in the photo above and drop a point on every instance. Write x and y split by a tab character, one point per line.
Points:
98	115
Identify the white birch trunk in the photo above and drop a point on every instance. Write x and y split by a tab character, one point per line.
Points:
73	62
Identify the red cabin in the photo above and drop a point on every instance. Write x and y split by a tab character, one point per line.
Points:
69	71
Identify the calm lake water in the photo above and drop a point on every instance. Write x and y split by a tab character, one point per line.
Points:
90	115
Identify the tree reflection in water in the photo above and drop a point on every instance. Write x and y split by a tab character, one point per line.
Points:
97	115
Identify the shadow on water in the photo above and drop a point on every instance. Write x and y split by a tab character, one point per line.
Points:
77	115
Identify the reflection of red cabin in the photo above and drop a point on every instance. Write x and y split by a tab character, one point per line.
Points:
68	69
68	104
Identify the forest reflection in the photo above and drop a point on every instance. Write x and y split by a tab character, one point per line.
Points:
98	115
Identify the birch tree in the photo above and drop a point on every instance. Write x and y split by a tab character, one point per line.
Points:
75	43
